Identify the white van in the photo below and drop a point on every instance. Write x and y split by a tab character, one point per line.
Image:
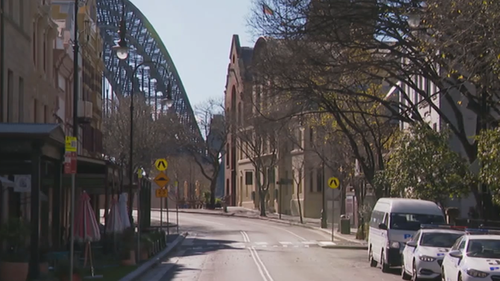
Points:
394	221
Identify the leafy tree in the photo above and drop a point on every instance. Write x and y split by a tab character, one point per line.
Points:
489	157
209	152
259	141
451	45
422	165
151	134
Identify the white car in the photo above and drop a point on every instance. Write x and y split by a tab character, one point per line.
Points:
474	257
424	253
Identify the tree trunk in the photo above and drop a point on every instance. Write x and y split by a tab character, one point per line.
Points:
300	206
213	185
262	200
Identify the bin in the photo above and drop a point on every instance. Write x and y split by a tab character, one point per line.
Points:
345	225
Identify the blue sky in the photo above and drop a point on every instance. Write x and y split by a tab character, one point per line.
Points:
197	34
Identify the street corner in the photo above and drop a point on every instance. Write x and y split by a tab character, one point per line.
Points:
341	244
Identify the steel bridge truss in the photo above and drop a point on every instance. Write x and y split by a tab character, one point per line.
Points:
145	45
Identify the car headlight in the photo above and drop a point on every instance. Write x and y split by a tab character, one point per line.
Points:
394	244
476	273
427	258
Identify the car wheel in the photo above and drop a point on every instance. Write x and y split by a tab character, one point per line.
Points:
404	275
414	275
459	277
442	274
373	263
383	265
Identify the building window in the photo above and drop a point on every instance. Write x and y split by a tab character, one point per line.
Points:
33	43
227	155
311	181
248	178
44	50
311	137
270	175
319	180
10	96
21	100
35	112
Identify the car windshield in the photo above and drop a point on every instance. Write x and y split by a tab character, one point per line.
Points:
484	248
413	221
443	240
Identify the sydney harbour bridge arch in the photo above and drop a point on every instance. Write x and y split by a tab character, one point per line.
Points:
145	45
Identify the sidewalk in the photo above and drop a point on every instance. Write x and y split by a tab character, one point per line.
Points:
349	239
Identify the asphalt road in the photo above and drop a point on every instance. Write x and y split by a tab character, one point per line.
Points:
228	249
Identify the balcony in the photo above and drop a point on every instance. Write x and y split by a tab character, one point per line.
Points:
85	112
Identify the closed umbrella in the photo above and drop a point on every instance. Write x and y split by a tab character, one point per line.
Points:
114	224
122	203
86	227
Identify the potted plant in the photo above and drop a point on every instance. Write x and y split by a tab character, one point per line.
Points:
127	247
15	234
62	271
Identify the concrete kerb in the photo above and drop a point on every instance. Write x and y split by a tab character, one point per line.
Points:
143	268
361	244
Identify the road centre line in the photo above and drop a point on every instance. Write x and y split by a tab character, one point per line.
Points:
246	238
260	265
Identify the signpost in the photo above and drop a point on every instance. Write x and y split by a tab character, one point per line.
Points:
70	155
333	183
139	178
162	180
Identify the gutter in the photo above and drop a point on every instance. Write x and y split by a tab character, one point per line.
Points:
2	58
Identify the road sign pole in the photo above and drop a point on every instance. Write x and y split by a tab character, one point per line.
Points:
279	206
168	219
333	215
161	213
139	221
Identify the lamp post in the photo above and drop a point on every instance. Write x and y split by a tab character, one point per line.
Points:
122	52
76	87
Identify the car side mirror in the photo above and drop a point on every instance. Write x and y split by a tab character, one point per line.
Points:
382	226
412	244
456	254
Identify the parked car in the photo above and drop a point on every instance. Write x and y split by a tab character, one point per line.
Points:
393	222
424	252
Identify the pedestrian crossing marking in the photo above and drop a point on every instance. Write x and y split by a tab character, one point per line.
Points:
198	244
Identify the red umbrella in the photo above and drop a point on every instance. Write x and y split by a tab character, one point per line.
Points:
86	227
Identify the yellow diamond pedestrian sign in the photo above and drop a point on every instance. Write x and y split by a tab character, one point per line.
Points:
161	180
161	164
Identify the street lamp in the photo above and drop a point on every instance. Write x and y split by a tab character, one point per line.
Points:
121	48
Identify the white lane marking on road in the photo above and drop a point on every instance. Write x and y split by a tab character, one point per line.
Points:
326	243
285	243
298	236
260	243
275	246
260	265
245	236
309	242
306	246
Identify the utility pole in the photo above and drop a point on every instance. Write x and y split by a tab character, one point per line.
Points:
76	87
